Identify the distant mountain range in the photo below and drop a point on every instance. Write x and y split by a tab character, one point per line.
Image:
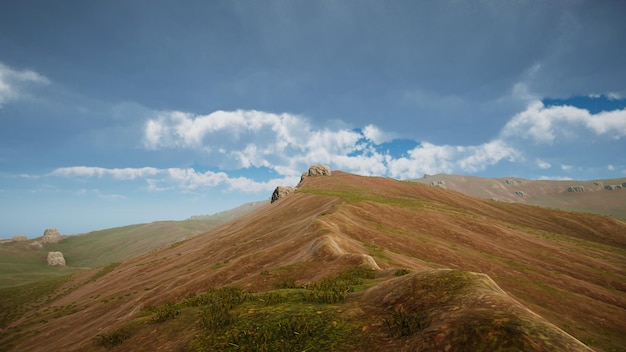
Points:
607	197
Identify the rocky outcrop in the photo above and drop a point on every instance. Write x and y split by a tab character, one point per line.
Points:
610	187
437	183
520	194
280	192
576	189
316	170
51	236
509	182
319	170
56	259
35	245
19	238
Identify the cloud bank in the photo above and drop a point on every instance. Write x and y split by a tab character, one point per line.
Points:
286	144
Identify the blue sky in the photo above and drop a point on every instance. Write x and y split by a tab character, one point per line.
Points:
121	112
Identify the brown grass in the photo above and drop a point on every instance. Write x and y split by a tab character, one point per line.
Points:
569	268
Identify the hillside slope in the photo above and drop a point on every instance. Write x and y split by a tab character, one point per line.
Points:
21	263
606	197
545	276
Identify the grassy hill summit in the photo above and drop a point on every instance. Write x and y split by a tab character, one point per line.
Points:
348	263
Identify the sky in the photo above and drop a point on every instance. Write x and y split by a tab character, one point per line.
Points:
122	112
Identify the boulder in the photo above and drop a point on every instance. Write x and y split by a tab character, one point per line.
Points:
56	259
509	182
52	236
35	245
520	194
17	238
316	170
575	189
609	187
280	192
437	183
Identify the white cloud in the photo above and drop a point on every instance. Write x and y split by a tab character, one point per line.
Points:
563	123
555	178
376	135
99	194
187	179
479	157
543	164
120	174
288	144
613	96
12	82
432	159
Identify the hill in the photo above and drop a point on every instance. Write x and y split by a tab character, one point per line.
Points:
21	263
350	263
606	197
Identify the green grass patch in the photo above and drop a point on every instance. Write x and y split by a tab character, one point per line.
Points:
17	300
356	195
376	251
285	319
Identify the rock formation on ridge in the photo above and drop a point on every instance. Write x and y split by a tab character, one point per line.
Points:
280	192
316	170
51	236
17	238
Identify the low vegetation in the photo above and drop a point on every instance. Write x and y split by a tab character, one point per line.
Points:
288	318
16	300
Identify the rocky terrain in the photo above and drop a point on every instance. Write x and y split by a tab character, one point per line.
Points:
350	263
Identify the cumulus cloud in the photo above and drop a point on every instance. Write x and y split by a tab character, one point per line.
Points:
544	125
13	81
288	143
430	159
376	135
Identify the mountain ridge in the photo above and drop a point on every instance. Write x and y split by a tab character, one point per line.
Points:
548	260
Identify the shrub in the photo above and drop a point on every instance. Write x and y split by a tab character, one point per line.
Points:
287	283
115	337
401	272
215	316
166	312
402	323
